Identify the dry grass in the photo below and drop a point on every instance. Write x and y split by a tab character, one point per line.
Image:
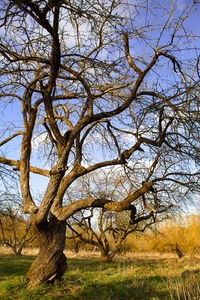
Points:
148	255
5	251
85	254
25	251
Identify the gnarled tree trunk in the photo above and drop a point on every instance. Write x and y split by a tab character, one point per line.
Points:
50	264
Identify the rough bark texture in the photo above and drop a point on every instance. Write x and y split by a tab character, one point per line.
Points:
50	263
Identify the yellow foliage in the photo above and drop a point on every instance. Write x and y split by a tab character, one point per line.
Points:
181	232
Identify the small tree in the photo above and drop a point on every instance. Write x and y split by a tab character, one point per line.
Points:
180	234
107	230
109	236
96	84
15	230
14	227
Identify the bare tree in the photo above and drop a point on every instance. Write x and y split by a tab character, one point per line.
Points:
96	84
15	230
14	227
108	230
109	235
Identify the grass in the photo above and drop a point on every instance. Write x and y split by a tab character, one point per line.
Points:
88	278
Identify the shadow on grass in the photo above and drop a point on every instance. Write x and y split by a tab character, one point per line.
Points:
12	265
91	279
118	289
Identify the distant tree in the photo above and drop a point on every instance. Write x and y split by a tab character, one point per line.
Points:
15	229
104	230
97	84
75	243
108	237
180	235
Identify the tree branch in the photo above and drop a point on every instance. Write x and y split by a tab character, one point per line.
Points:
71	208
16	164
128	56
11	137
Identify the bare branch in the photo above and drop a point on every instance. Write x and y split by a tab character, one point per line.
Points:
16	164
128	56
11	137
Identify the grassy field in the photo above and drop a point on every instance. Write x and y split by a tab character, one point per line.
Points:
87	278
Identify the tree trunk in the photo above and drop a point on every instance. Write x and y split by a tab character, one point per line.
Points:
107	255
178	251
104	255
113	254
19	250
50	264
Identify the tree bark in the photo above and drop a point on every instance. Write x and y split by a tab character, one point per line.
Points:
50	264
105	256
108	257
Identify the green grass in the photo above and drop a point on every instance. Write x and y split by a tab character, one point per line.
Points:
92	279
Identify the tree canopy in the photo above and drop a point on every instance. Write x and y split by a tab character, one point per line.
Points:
95	74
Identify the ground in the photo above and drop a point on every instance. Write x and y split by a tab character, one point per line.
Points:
139	276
